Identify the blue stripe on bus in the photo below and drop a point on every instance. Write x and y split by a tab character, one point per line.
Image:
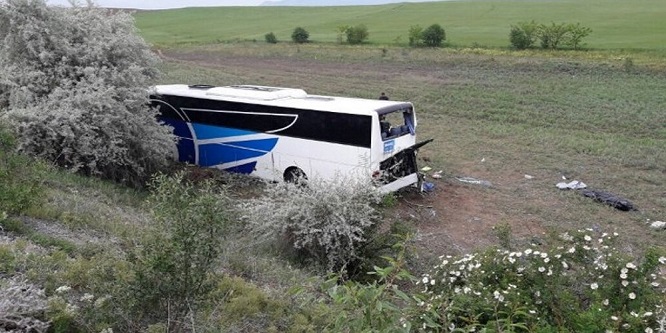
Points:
213	132
180	128
246	168
216	153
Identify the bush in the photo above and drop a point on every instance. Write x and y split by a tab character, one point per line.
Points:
576	35
551	36
74	84
270	38
327	223
300	35
20	178
415	35
357	34
582	284
523	35
175	263
433	36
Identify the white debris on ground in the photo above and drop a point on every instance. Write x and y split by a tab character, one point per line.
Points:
658	225
470	180
573	185
529	176
437	175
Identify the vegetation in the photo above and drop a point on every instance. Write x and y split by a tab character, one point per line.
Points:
270	38
231	254
357	34
300	35
74	87
618	25
524	35
433	36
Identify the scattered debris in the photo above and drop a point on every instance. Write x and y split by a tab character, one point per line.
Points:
427	187
609	199
426	169
483	160
574	185
658	225
528	176
437	175
475	181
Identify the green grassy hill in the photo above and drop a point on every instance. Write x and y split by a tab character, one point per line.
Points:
616	24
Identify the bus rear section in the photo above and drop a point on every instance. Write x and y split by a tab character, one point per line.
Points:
396	148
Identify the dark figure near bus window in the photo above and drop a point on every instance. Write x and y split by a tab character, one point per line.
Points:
383	97
385	126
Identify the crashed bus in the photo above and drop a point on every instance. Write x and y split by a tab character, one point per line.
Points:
285	134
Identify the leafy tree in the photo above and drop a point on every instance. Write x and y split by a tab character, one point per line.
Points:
415	35
357	34
523	35
270	38
576	35
342	32
433	36
74	85
300	35
552	35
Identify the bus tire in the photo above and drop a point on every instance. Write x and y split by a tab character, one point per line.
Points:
294	174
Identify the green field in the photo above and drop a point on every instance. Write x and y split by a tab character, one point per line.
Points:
616	24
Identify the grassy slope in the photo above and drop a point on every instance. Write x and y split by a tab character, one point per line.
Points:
615	23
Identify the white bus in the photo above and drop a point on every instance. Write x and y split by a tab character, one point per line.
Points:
282	133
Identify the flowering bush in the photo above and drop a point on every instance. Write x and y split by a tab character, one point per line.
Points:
74	84
328	222
583	284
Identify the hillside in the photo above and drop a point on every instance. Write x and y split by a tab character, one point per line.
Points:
616	24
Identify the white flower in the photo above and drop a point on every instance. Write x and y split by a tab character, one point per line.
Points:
542	269
605	302
546	260
655	284
623	276
425	280
647	314
528	251
445	262
87	297
662	260
564	264
631	265
632	296
649	330
624	270
625	283
587	238
594	286
544	255
614	318
432	282
63	289
572	250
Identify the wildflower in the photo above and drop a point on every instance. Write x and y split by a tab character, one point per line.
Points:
587	238
87	297
623	276
432	282
445	262
565	265
649	330
662	260
572	250
605	302
546	260
614	318
647	314
625	283
624	270
63	289
634	314
425	279
511	260
594	286
544	255
631	265
632	296
528	251
542	269
655	284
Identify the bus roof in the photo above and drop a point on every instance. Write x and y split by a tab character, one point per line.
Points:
283	97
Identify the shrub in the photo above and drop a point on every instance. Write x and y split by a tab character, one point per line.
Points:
582	284
433	36
176	259
552	35
415	35
74	84
300	35
357	34
270	38
328	223
576	35
20	178
523	35
341	33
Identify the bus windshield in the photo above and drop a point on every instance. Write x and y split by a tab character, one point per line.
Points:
396	123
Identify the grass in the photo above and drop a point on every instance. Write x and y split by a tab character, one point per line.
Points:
616	24
560	114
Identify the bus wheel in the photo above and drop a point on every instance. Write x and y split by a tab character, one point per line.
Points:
294	175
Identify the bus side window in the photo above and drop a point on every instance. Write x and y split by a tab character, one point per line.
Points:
384	126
